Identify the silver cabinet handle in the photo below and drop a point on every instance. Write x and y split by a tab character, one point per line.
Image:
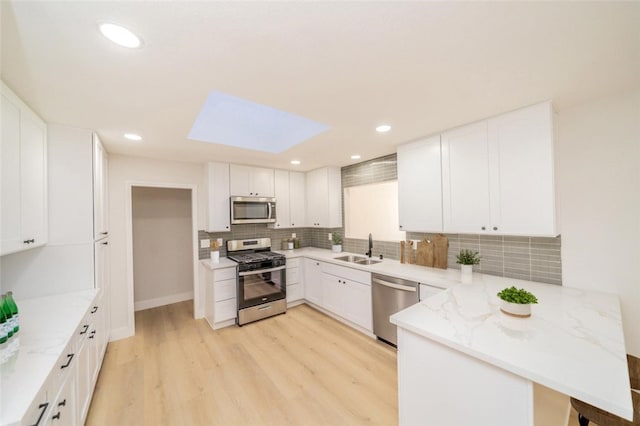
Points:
393	285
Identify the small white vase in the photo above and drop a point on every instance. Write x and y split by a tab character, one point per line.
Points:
215	256
466	274
336	248
515	309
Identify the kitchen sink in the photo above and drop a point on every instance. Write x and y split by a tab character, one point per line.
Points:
367	261
360	260
351	258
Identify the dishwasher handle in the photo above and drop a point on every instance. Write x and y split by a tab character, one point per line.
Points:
393	285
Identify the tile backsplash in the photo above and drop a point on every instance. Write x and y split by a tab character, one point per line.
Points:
527	258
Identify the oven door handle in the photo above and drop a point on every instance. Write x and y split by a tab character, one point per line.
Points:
261	271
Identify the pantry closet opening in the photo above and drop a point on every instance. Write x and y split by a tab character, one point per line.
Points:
162	246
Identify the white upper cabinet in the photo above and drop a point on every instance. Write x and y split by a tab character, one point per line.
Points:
523	192
324	198
420	186
465	179
251	181
283	217
219	212
290	200
498	175
297	200
100	192
24	176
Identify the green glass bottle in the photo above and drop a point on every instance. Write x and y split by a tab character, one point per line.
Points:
4	327
7	314
13	307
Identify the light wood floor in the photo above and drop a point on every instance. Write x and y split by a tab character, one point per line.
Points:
302	368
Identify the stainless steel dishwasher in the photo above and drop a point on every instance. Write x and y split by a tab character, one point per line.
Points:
390	295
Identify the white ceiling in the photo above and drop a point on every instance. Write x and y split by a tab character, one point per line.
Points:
420	66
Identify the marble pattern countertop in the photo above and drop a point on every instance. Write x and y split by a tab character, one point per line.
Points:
573	342
47	325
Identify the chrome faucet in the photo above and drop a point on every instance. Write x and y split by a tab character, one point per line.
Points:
370	252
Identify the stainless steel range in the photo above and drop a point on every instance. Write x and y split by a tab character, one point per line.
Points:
261	279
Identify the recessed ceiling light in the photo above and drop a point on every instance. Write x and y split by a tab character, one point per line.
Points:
383	128
355	157
120	35
295	162
132	137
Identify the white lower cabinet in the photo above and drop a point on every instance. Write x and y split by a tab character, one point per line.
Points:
65	396
295	288
220	295
313	282
347	293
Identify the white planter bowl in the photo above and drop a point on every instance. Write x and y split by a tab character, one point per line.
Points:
336	248
515	309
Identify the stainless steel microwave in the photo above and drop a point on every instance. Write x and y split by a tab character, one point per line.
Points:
253	210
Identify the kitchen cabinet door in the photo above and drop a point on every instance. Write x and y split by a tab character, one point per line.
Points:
313	282
297	200
251	181
219	210
420	186
24	176
523	192
10	199
465	179
357	308
100	192
332	293
262	182
324	203
283	217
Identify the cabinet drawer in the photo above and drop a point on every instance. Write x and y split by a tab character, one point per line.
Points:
65	366
38	412
293	263
347	273
294	292
293	276
225	290
225	310
224	274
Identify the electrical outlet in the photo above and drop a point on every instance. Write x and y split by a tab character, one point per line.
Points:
204	243
329	236
219	242
293	235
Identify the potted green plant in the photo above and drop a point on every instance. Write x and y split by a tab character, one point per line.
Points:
336	242
466	259
516	302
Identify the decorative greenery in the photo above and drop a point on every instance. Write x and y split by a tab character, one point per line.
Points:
468	257
519	296
336	239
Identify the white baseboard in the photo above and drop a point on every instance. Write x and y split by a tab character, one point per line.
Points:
161	301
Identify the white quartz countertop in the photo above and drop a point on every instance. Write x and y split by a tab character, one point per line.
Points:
442	278
223	263
47	324
573	342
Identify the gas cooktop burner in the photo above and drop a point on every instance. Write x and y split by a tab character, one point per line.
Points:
255	257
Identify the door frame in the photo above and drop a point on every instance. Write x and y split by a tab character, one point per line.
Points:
131	326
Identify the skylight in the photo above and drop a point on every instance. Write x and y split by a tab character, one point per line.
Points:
228	120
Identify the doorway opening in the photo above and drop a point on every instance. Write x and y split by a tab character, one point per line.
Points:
162	244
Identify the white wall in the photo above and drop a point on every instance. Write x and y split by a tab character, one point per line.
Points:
123	171
162	246
598	177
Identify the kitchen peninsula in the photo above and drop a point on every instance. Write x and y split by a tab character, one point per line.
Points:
461	360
